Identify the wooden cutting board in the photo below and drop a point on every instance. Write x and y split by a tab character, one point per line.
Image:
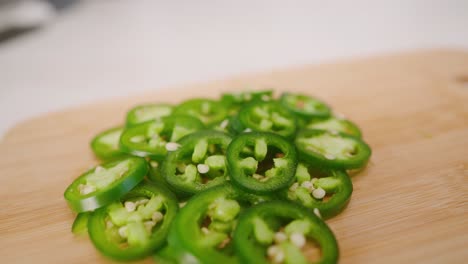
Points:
409	206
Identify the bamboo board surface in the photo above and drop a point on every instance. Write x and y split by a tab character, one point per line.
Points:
410	205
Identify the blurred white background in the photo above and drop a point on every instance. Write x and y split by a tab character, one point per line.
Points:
105	49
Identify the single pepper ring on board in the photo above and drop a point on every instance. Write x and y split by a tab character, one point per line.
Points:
261	163
104	184
326	193
283	232
199	163
135	226
155	138
333	150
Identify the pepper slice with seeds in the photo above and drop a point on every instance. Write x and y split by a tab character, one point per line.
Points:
104	184
106	144
210	112
172	255
266	117
143	113
155	138
324	192
326	149
283	232
234	101
334	125
135	226
204	226
304	106
199	163
252	143
154	173
261	163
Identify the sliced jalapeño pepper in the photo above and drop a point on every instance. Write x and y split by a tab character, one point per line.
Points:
106	144
147	112
172	255
210	112
304	106
235	127
199	163
135	226
267	117
205	224
243	97
223	126
80	225
261	163
234	101
154	173
332	149
334	124
283	232
106	183
324	192
154	138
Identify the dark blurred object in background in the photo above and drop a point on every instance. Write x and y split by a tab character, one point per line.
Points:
21	16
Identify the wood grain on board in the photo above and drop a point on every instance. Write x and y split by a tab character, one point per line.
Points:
410	205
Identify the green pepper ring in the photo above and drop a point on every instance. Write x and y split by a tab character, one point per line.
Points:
249	184
234	101
350	128
185	231
171	255
97	226
187	144
82	203
103	151
325	110
250	252
338	201
132	119
194	104
128	147
80	225
357	161
244	118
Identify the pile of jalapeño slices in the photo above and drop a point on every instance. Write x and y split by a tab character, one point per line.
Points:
247	178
